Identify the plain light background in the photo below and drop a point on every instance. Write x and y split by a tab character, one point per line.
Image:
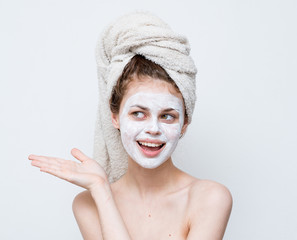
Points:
243	133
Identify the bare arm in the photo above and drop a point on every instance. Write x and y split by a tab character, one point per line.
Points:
210	218
86	215
89	175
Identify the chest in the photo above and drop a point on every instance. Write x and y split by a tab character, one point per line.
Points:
165	218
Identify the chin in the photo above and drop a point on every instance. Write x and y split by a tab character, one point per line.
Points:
150	163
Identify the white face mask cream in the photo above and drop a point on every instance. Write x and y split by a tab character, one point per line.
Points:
151	124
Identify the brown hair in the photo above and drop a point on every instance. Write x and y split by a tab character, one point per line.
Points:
138	67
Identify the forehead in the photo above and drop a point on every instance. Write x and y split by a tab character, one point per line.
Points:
151	86
154	101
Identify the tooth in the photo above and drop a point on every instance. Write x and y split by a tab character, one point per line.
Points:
150	144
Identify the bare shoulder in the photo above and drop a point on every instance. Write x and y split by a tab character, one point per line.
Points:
86	215
83	199
210	207
210	192
83	204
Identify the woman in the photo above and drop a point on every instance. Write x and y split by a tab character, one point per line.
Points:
147	80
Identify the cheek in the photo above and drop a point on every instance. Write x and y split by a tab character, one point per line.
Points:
172	131
130	129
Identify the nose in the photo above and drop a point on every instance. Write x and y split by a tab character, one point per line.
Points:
153	128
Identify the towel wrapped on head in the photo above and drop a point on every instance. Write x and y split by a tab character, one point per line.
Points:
136	34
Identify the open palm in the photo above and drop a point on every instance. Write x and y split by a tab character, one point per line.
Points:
87	173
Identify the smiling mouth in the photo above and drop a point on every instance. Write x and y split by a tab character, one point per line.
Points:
150	146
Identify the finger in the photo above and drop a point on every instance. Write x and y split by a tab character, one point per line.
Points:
57	168
79	155
44	158
37	163
66	171
43	162
32	156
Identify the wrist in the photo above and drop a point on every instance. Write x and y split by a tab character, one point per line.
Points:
101	191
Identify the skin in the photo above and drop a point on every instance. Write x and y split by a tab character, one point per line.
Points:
146	203
144	121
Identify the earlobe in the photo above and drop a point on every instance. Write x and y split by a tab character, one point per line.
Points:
115	120
184	128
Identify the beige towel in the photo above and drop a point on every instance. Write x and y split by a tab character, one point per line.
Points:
147	35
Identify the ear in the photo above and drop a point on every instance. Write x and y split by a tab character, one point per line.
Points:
115	120
184	128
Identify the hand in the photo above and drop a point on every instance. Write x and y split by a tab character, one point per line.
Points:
87	174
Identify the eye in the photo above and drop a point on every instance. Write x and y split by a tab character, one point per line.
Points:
138	115
168	117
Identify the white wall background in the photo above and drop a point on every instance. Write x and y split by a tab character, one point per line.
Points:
244	129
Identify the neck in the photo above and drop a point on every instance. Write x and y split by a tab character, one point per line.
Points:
149	182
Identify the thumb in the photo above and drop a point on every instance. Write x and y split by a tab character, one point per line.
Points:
79	155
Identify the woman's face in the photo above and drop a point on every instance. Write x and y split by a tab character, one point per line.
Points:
151	120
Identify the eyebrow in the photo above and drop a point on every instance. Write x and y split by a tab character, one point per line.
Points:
169	110
146	109
139	106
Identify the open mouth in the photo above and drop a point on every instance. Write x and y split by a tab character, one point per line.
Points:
151	146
